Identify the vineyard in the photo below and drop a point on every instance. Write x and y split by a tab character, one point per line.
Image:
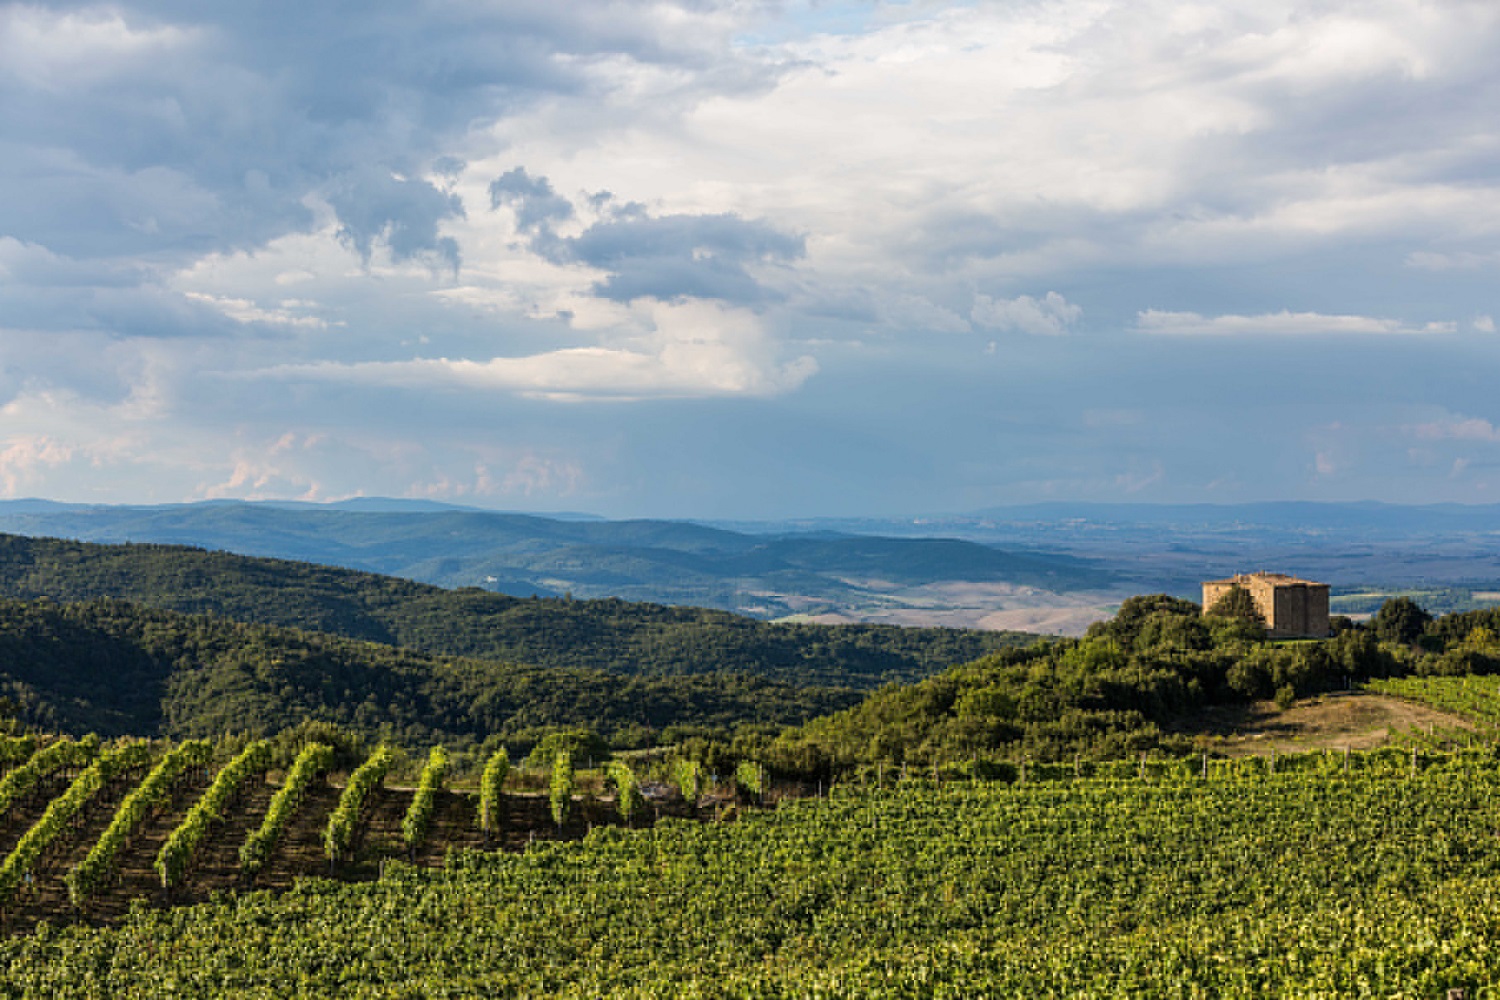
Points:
1474	696
1319	874
86	829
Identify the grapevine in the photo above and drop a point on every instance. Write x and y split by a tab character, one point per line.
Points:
419	815
687	775
628	798
1312	881
491	791
175	855
750	777
63	753
16	750
85	879
339	834
560	795
63	808
314	759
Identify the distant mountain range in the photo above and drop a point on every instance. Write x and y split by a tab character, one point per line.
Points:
1288	518
765	574
1043	568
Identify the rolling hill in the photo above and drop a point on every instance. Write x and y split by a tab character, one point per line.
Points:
667	562
610	635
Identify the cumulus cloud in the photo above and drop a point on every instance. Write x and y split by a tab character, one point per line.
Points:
689	349
678	256
409	198
25	459
1284	323
536	205
287	312
1458	429
1051	315
401	213
649	255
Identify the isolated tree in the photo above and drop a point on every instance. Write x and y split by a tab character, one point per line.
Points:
1401	620
1236	602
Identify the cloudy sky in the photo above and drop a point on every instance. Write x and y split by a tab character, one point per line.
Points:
746	258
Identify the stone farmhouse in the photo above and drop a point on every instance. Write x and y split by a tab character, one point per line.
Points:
1293	608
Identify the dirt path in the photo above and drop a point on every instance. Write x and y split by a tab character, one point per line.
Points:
1357	720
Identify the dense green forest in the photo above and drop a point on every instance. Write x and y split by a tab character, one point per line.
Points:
648	640
1133	683
117	668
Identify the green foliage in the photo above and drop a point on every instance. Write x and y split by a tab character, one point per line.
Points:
1120	690
1400	620
1476	698
492	790
1309	882
177	853
579	744
750	778
1236	602
646	640
91	873
628	798
560	791
418	818
313	761
687	775
60	812
1131	619
122	669
62	753
338	836
16	749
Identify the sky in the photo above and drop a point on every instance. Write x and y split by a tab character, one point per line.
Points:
750	258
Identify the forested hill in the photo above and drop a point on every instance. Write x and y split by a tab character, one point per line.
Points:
120	669
627	638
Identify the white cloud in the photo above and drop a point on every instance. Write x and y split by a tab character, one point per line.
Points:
1284	323
913	312
56	51
26	459
287	312
1458	429
693	348
1051	315
977	138
773	194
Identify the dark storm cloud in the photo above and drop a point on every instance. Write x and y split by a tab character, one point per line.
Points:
664	257
403	214
673	256
536	205
173	129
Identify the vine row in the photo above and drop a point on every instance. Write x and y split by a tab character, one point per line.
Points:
62	809
419	815
176	854
314	759
90	873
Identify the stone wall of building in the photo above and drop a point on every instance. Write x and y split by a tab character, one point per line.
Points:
1292	608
